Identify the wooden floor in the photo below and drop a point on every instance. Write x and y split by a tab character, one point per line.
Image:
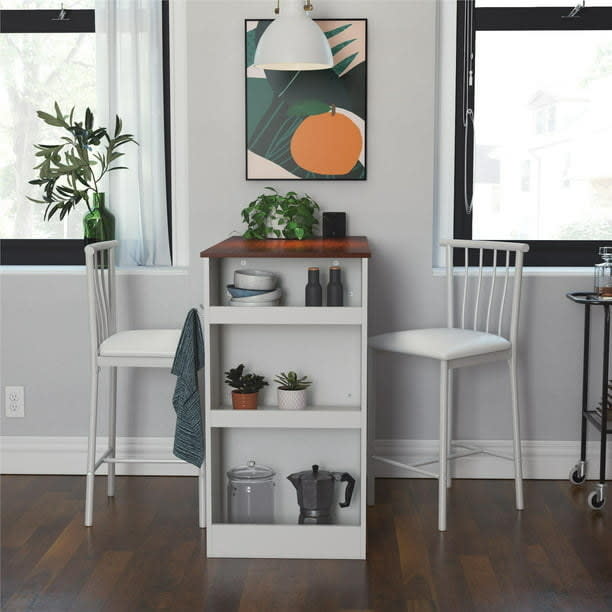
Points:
145	552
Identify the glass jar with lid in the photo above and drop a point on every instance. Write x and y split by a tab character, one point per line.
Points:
603	274
250	494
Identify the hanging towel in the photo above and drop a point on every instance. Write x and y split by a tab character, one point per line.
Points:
189	359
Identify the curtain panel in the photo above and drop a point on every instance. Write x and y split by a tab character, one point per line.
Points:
130	84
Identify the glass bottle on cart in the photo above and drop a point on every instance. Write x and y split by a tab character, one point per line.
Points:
603	274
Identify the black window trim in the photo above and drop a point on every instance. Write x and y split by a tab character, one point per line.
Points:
545	253
69	252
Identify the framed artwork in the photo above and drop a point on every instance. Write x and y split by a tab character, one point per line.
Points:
309	124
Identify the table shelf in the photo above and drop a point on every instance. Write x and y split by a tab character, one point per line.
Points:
286	541
284	315
594	417
314	417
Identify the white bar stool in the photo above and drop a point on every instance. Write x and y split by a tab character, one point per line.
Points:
142	348
458	347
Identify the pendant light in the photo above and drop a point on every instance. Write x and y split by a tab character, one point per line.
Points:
293	41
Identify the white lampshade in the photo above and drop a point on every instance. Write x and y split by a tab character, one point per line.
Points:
293	42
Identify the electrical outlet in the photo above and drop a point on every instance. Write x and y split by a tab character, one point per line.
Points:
14	402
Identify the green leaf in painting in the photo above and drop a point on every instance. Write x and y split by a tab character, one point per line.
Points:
307	108
341	45
337	30
251	45
340	67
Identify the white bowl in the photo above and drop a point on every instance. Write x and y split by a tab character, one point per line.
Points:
234	302
254	279
270	296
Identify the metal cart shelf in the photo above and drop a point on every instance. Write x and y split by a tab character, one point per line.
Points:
599	420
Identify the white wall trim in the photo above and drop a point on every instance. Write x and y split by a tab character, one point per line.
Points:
542	459
444	131
80	271
67	455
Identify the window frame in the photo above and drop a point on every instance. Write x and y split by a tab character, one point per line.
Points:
562	253
59	251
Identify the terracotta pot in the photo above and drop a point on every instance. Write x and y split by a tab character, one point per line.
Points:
244	401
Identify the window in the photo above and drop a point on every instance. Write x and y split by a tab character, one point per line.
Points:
541	94
43	59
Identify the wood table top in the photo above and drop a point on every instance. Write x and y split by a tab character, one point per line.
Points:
348	247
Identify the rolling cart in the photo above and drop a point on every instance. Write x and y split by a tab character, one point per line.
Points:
599	420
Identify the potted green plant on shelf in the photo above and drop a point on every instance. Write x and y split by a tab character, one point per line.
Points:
272	215
70	172
292	391
245	387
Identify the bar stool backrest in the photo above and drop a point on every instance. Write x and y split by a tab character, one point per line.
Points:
101	292
483	301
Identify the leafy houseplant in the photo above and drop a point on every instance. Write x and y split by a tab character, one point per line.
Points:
246	387
292	391
272	215
71	171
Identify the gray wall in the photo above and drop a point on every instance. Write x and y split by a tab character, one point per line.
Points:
44	321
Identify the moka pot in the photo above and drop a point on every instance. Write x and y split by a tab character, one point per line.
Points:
315	494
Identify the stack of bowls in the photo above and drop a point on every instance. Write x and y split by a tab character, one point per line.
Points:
254	288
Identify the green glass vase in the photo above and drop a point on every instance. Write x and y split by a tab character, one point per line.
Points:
99	222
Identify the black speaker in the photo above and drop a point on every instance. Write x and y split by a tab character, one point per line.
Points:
334	225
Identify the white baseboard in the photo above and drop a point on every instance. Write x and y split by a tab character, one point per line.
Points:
542	459
67	455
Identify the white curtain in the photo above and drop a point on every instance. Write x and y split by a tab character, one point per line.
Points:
130	84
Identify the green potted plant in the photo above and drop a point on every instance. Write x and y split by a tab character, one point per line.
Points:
70	172
245	387
272	215
292	391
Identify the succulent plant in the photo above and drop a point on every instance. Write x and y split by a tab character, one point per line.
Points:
291	382
244	383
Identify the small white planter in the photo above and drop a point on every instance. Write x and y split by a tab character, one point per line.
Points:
291	400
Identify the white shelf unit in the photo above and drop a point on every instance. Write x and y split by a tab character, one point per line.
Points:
328	344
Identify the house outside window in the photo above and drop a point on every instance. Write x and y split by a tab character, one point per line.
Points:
45	57
541	98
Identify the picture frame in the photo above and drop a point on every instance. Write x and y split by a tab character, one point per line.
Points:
308	125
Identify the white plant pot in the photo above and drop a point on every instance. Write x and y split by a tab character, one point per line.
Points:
291	400
276	223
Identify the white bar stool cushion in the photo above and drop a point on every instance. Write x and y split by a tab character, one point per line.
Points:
141	343
440	343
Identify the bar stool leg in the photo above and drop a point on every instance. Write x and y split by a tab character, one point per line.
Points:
443	443
91	446
112	430
516	431
449	437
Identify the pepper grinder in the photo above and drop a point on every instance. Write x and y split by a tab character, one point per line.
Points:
314	291
334	287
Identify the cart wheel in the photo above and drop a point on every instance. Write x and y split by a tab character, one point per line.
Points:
594	502
575	477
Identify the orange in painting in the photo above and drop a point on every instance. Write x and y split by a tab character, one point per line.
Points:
329	143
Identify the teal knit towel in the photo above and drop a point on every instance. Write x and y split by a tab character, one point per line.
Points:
189	359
